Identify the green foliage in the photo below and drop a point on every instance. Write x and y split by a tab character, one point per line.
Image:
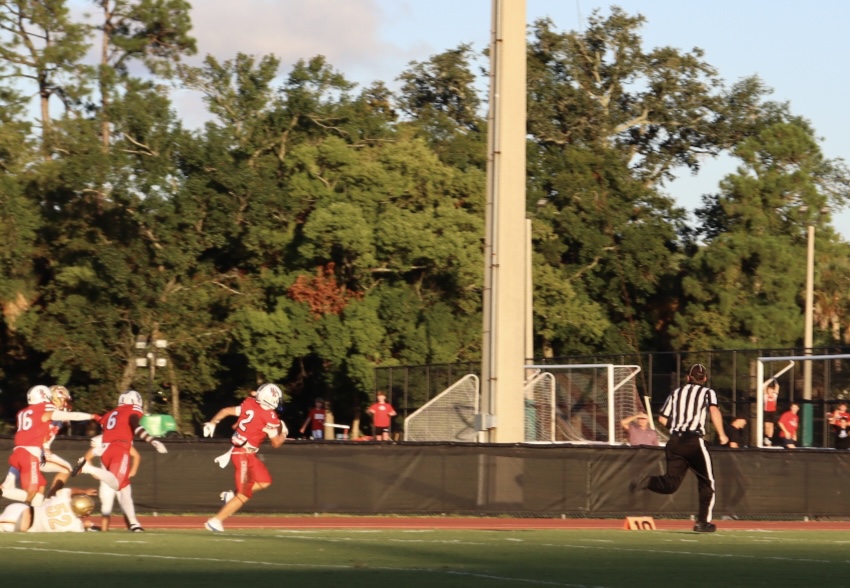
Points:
743	284
311	232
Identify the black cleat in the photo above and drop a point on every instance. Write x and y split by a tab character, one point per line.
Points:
705	528
136	529
77	468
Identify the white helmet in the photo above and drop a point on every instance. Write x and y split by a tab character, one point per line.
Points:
60	396
38	394
269	396
130	397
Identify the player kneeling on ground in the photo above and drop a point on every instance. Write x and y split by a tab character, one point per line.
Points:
65	512
257	420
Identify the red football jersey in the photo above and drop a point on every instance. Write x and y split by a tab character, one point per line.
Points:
251	426
116	423
32	430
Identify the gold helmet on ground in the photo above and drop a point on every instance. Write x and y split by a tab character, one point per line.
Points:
82	505
60	396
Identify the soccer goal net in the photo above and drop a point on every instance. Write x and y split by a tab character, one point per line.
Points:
817	381
582	403
449	416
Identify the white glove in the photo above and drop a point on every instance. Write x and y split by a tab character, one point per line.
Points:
209	429
158	445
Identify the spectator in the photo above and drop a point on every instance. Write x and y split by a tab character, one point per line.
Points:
842	434
835	416
638	430
316	420
771	395
382	411
789	422
738	433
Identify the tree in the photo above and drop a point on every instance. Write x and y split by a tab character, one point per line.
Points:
44	47
609	124
743	284
440	98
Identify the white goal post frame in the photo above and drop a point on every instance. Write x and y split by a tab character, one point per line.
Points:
436	399
609	369
760	381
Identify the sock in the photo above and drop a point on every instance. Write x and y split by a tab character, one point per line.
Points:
107	499
102	475
15	494
125	499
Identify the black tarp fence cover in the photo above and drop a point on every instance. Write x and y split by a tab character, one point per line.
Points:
371	478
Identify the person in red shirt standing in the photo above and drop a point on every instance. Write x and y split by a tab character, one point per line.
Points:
120	426
789	422
771	395
382	411
257	419
316	420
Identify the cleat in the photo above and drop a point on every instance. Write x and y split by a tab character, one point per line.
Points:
136	528
79	467
705	528
214	525
226	496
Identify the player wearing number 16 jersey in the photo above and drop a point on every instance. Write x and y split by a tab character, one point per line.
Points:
257	420
33	430
38	424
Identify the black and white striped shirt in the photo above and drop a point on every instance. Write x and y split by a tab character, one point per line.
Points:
686	407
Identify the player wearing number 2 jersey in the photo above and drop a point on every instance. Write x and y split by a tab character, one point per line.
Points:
257	420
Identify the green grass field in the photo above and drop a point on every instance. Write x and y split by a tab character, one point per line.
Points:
414	559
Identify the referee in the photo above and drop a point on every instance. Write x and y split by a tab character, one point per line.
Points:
684	414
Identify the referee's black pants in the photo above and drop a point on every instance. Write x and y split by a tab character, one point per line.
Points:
686	452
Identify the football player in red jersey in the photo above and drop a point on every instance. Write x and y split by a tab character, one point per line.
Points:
31	453
33	429
120	426
61	399
257	420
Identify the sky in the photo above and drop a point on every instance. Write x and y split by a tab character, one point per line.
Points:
799	48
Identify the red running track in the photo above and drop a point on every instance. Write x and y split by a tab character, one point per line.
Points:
478	523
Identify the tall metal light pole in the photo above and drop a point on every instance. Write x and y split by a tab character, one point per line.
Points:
807	335
151	357
808	338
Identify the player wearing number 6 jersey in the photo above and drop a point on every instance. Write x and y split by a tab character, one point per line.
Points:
257	420
120	426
